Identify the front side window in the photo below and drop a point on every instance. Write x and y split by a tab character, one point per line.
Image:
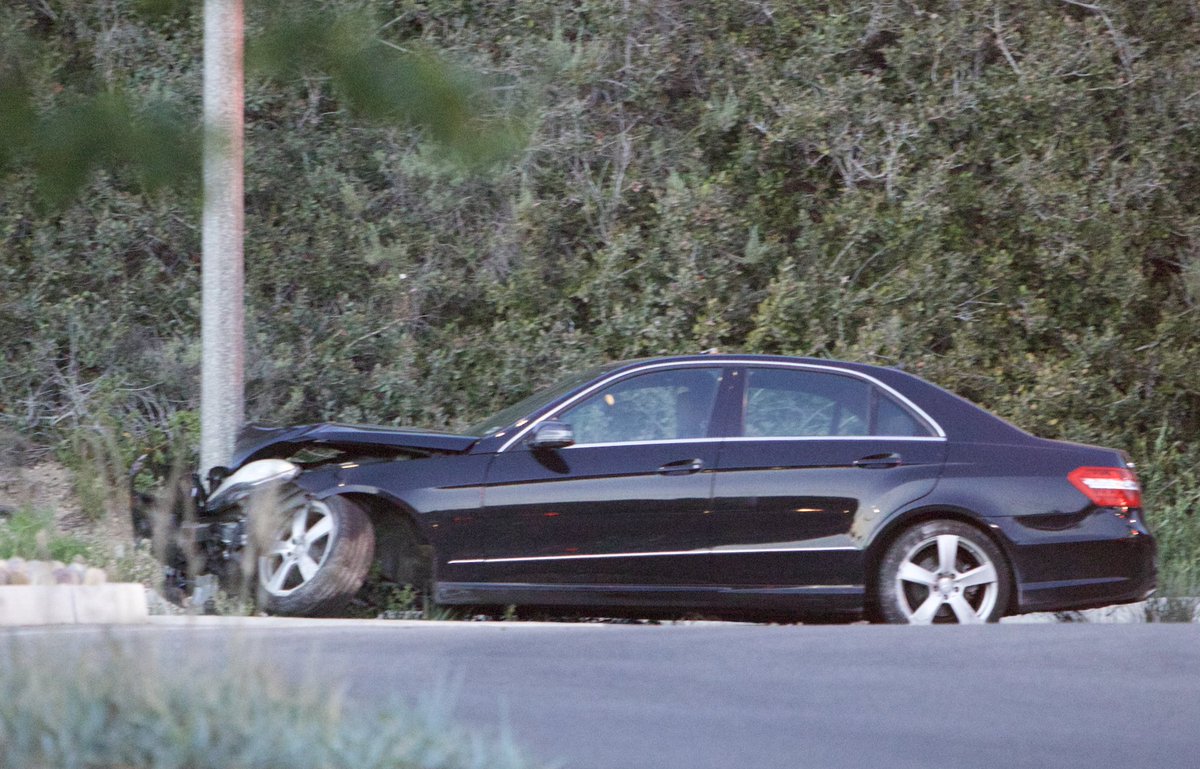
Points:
532	403
660	406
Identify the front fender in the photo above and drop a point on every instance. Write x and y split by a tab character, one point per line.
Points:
443	494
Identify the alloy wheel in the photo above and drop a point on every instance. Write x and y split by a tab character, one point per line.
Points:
947	578
298	550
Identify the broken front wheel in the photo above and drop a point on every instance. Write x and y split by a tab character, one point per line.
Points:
316	557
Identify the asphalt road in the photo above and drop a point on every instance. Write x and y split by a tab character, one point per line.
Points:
726	696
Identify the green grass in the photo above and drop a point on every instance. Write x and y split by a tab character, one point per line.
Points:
1170	476
1171	513
119	708
31	534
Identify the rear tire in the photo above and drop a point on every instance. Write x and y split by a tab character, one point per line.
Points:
317	558
943	572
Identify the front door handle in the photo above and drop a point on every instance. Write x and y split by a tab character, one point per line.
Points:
878	461
682	467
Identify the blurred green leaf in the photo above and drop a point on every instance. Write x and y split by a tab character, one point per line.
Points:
379	82
106	131
67	139
17	118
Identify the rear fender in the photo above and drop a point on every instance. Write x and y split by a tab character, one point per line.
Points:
905	519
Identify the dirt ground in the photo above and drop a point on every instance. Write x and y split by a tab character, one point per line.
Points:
46	485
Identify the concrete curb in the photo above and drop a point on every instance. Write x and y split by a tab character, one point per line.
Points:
115	603
1178	609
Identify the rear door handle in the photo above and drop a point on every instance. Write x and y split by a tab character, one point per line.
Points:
878	461
682	467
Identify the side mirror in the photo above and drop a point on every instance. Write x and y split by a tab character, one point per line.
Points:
551	435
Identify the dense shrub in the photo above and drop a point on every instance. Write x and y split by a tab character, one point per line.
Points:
1000	196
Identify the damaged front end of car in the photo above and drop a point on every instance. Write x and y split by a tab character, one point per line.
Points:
200	530
208	537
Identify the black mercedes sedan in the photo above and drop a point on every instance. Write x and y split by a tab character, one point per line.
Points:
725	485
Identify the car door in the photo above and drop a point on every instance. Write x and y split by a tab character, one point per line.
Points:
627	503
819	456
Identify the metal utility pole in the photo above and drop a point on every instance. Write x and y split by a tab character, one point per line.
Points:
221	312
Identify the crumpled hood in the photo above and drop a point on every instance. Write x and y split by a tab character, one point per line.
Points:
258	442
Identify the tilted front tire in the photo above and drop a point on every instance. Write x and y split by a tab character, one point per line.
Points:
317	558
943	572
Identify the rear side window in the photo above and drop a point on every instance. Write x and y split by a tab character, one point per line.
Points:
799	403
894	420
781	403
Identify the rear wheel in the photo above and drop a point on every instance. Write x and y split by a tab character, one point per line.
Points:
943	572
318	557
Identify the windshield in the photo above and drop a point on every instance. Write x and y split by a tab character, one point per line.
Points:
533	403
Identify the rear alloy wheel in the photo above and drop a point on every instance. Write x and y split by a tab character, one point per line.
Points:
318	557
943	572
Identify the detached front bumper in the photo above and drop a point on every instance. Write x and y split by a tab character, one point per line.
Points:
1100	557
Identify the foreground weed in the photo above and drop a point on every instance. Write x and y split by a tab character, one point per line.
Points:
1171	479
31	534
119	707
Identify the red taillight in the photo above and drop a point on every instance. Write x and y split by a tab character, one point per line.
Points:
1108	486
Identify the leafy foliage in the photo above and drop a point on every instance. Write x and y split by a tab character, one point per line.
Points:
1000	196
